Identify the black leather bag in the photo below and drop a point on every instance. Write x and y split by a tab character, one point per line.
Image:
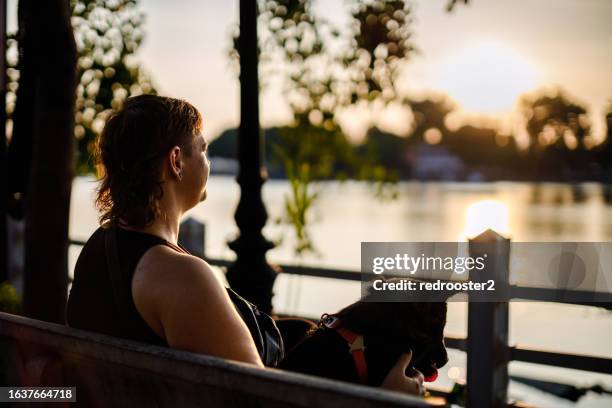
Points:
264	331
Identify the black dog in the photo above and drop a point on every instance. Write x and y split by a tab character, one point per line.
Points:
388	329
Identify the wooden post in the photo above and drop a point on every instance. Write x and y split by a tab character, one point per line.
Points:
251	275
487	340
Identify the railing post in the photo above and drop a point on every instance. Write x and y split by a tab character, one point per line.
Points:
192	236
487	339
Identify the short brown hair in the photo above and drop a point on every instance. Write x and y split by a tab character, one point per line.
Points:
130	152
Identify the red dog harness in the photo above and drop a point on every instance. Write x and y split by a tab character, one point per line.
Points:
355	342
356	347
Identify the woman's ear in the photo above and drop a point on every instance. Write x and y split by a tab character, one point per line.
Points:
176	163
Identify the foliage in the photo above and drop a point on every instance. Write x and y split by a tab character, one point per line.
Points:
309	153
107	34
325	68
555	120
300	200
381	39
450	6
10	302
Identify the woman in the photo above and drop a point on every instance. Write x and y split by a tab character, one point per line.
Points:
152	156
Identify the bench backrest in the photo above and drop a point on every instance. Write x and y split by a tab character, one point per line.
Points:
108	371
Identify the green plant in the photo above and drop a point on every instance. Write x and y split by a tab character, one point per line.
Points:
10	301
298	203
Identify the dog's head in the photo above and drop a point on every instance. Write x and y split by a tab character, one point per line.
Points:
393	328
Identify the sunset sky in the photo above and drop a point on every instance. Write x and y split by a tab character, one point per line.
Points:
515	47
483	55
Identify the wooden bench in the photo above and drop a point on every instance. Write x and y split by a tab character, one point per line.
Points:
112	372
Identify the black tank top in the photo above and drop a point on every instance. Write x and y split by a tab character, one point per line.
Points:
91	304
94	305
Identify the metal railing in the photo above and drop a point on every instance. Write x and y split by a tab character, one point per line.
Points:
528	355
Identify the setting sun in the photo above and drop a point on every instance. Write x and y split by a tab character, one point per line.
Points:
486	77
486	214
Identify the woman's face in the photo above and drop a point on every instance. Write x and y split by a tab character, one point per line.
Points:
195	175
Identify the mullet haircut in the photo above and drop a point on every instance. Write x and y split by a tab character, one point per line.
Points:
130	153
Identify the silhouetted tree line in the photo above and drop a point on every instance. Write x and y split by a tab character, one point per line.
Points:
559	146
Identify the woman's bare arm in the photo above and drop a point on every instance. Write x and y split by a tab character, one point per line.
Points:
182	300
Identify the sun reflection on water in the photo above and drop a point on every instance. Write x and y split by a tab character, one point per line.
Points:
484	214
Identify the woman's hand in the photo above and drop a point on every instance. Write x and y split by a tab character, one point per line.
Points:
396	379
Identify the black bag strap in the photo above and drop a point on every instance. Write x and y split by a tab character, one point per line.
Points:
120	294
246	311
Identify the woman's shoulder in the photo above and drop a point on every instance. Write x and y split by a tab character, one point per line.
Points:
163	259
164	273
165	279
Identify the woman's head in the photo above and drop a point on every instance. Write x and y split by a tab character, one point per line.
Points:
150	147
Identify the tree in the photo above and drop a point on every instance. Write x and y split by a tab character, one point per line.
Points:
430	114
324	69
603	151
557	129
555	120
107	34
99	37
43	127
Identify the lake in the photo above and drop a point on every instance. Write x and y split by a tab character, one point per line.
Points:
348	213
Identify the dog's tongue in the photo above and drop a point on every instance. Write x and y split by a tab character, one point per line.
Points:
433	377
